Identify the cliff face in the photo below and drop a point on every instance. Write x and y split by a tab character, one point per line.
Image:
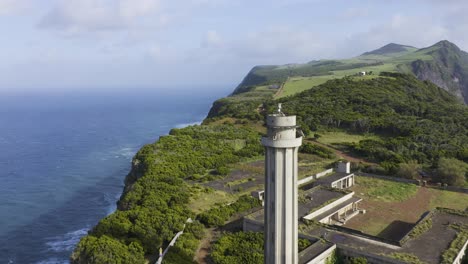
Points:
448	69
443	64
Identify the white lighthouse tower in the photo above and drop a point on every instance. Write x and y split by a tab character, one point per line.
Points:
281	222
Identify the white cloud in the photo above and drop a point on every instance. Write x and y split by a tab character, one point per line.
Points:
212	39
81	16
353	13
282	45
130	9
418	31
8	7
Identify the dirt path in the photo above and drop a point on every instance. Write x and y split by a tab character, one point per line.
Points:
281	89
201	256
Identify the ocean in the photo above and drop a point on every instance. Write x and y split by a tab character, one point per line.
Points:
63	160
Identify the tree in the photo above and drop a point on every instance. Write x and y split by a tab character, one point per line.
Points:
106	250
317	136
452	171
409	170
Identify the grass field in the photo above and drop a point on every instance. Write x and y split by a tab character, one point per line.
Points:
310	164
376	70
342	137
454	200
392	206
298	84
385	191
205	200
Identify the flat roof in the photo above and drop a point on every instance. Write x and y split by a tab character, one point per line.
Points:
428	246
316	197
313	251
332	178
337	207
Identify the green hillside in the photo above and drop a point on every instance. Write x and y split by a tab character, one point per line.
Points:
386	121
391	50
444	64
415	120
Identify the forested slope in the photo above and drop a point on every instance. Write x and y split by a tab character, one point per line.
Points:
154	206
416	120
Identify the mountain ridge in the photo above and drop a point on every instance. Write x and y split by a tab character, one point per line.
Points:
443	64
390	49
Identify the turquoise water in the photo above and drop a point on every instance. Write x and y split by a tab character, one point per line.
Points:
63	160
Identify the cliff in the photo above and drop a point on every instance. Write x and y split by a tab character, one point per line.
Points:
443	63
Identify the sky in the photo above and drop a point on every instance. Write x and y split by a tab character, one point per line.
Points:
100	45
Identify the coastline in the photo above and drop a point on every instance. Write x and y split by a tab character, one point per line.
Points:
78	167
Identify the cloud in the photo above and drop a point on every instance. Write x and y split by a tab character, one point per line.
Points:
82	16
353	13
8	7
419	31
212	39
283	45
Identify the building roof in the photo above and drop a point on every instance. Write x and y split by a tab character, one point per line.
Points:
326	180
316	198
337	207
312	251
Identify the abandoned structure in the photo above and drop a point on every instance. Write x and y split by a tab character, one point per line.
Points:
281	211
341	179
324	204
330	206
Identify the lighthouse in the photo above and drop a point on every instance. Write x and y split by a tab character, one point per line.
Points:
281	221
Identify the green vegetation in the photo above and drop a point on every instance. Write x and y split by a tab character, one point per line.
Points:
454	200
243	247
397	109
409	170
204	200
320	151
421	228
452	171
154	205
386	191
462	236
106	250
410	119
298	84
219	215
338	137
356	260
443	63
392	119
406	257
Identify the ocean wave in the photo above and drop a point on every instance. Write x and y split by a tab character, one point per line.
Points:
54	261
125	152
188	124
66	242
112	201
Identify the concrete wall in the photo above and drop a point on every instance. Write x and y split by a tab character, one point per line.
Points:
323	173
314	177
340	183
458	259
371	258
322	258
328	206
426	216
344	167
